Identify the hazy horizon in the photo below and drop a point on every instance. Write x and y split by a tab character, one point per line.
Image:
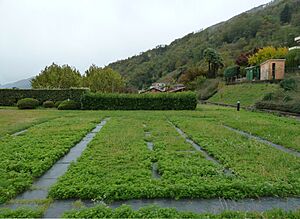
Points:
36	33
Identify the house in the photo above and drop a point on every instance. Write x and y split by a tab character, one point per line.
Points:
161	87
297	40
272	69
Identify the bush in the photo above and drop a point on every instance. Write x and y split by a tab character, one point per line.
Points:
10	97
231	72
57	103
160	101
288	84
268	97
293	108
28	103
48	104
69	105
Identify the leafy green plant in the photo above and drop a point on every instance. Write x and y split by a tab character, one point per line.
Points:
154	211
25	157
69	105
21	213
28	103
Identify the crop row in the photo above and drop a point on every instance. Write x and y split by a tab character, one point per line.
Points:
260	169
117	164
279	130
125	211
28	156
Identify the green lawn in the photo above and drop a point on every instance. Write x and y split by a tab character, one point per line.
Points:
13	120
247	94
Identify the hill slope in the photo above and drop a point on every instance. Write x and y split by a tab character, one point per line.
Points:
247	94
258	27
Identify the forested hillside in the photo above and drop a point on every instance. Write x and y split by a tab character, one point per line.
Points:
276	23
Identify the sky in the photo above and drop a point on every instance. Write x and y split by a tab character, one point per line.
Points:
35	33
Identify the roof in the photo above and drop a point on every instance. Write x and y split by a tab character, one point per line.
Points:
255	66
295	47
176	89
273	60
153	88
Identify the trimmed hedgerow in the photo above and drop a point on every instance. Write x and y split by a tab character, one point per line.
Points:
28	103
161	101
69	105
10	97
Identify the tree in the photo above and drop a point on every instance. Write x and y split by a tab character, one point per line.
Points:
55	76
104	80
267	53
286	15
214	61
242	59
293	60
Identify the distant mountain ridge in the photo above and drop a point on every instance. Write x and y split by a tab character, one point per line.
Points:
22	84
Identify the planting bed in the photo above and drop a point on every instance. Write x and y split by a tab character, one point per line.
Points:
27	156
169	158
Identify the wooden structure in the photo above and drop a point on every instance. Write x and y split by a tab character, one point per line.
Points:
272	69
253	73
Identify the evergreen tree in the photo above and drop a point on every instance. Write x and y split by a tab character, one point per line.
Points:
286	15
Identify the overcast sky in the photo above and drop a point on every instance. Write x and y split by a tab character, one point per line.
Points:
35	33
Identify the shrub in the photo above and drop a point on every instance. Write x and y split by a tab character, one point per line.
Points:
28	103
69	105
160	101
10	97
288	84
231	72
57	103
268	97
293	107
48	104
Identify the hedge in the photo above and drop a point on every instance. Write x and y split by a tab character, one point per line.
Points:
292	108
157	101
9	97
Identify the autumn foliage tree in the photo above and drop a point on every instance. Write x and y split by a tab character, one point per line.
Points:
266	53
55	76
103	80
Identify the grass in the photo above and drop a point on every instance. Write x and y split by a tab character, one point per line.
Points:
13	120
247	94
288	101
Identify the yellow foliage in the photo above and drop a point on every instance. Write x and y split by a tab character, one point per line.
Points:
266	53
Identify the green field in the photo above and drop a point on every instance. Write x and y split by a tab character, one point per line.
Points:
247	94
118	165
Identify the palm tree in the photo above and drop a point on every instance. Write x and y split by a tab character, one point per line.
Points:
214	61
